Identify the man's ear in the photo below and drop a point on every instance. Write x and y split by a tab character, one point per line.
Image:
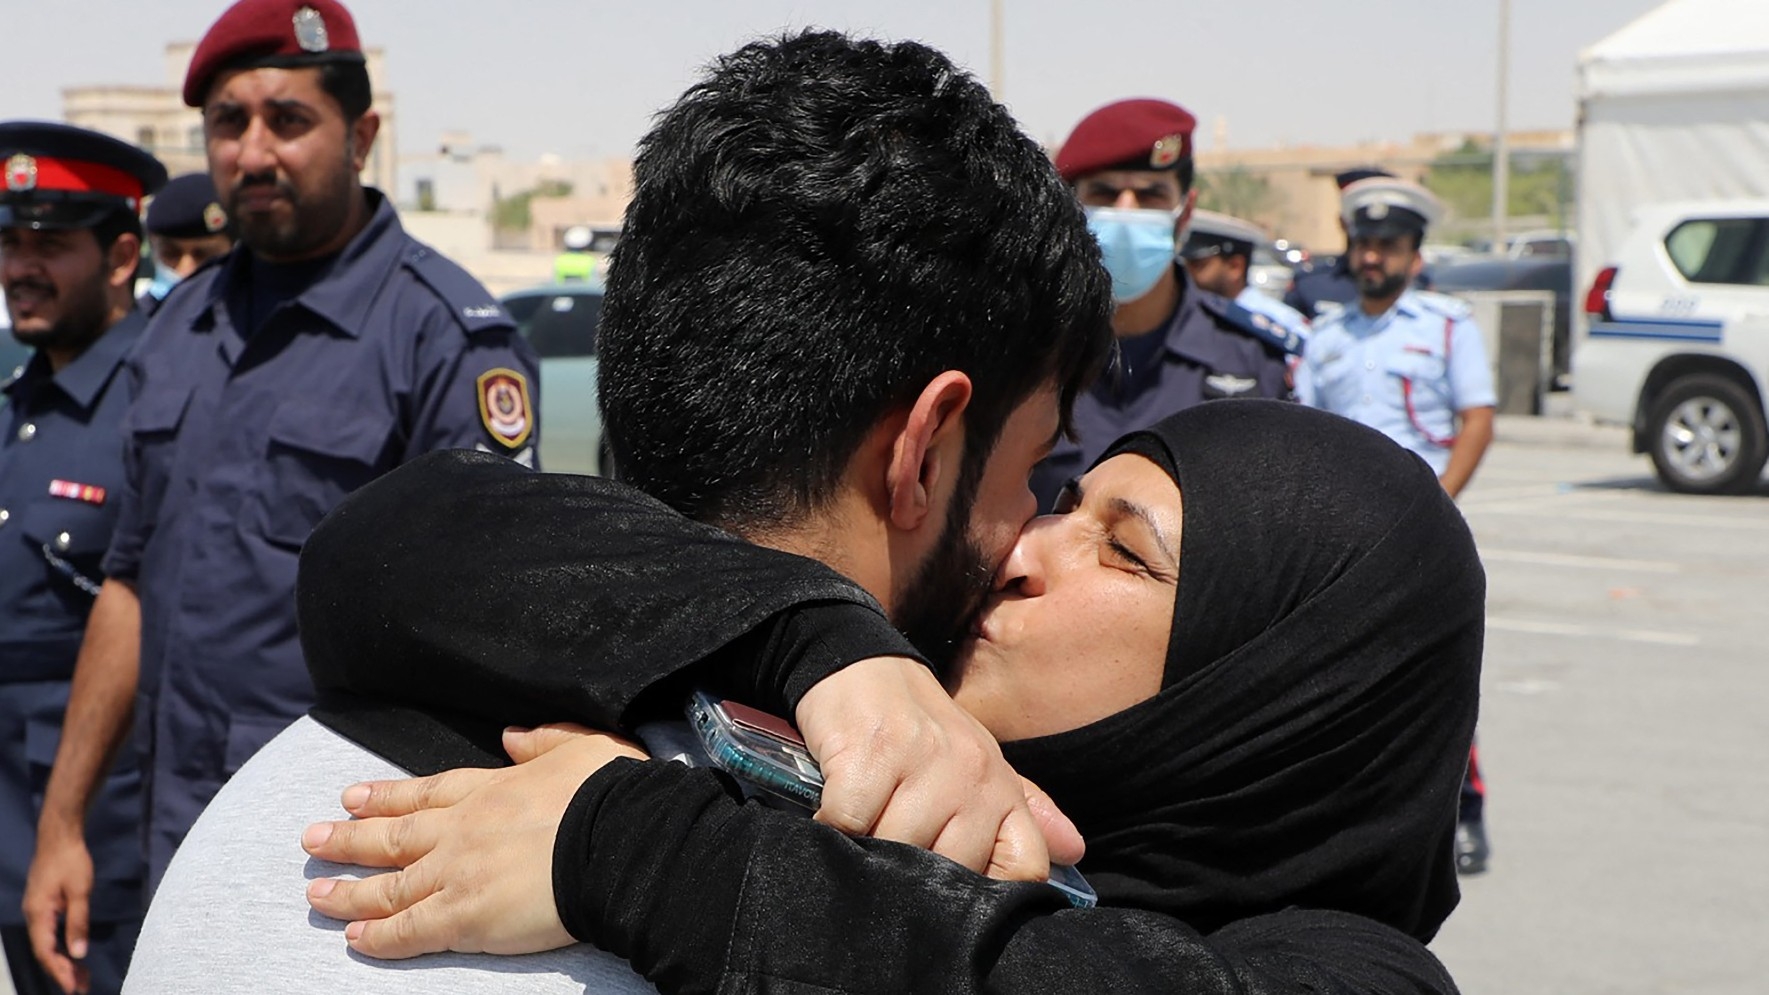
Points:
121	260
1185	214
362	137
927	449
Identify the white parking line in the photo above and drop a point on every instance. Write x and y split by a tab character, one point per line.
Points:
1591	631
1494	494
1719	520
1560	498
1579	562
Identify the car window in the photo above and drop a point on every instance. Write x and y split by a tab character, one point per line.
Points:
1713	250
522	310
560	325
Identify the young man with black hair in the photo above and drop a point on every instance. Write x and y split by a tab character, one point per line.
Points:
1130	164
268	387
70	240
850	309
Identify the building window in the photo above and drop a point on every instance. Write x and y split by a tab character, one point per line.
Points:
195	138
144	137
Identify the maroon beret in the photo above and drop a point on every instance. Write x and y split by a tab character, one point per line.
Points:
285	33
1130	134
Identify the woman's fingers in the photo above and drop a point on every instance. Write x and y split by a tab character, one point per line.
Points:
1062	839
384	798
387	842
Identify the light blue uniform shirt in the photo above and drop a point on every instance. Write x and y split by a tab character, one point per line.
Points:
1259	302
1405	373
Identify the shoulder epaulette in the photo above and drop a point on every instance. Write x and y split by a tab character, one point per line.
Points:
465	297
1258	326
1443	305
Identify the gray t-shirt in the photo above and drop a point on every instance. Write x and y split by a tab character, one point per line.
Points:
231	914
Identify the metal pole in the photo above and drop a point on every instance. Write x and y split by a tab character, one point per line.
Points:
1501	137
997	55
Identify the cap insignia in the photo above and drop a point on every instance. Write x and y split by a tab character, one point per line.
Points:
1166	152
21	173
310	30
1376	211
214	218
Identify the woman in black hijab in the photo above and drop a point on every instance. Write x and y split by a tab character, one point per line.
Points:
1244	662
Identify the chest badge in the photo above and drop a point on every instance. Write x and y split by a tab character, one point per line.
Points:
1229	385
505	407
89	493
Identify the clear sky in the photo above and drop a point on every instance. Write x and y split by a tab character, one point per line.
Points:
581	78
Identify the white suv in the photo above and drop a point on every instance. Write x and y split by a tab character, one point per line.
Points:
1678	343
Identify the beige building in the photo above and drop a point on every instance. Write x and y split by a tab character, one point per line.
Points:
155	118
1290	191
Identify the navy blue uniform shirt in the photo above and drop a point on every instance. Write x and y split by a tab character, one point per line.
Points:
239	442
1210	348
1324	289
61	475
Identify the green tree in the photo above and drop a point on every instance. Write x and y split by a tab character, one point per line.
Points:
1464	180
512	212
1236	192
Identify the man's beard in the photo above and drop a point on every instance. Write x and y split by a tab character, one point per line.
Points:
82	320
936	608
313	222
1383	287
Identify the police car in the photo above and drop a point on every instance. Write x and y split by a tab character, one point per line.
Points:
1678	343
561	320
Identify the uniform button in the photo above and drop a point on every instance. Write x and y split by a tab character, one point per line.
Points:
27	431
1369	364
1366	398
63	541
4	515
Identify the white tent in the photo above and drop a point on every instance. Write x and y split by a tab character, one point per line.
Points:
1675	106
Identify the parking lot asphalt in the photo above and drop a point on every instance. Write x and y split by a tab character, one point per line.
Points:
1624	727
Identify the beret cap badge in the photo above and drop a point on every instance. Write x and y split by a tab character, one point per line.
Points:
21	173
310	30
1166	151
214	218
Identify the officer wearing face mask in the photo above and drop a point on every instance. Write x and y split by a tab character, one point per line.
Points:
186	227
1130	164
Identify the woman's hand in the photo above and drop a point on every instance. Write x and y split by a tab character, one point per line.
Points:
475	845
901	761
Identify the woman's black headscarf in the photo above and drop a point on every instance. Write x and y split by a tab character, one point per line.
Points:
1321	684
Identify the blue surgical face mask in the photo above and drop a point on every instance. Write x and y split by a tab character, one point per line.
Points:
1135	245
163	282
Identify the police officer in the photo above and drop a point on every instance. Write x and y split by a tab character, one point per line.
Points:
186	227
270	384
1411	364
70	239
1130	164
1324	288
1218	251
575	263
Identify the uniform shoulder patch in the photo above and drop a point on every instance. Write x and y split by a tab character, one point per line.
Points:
473	307
1257	326
1443	305
505	406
